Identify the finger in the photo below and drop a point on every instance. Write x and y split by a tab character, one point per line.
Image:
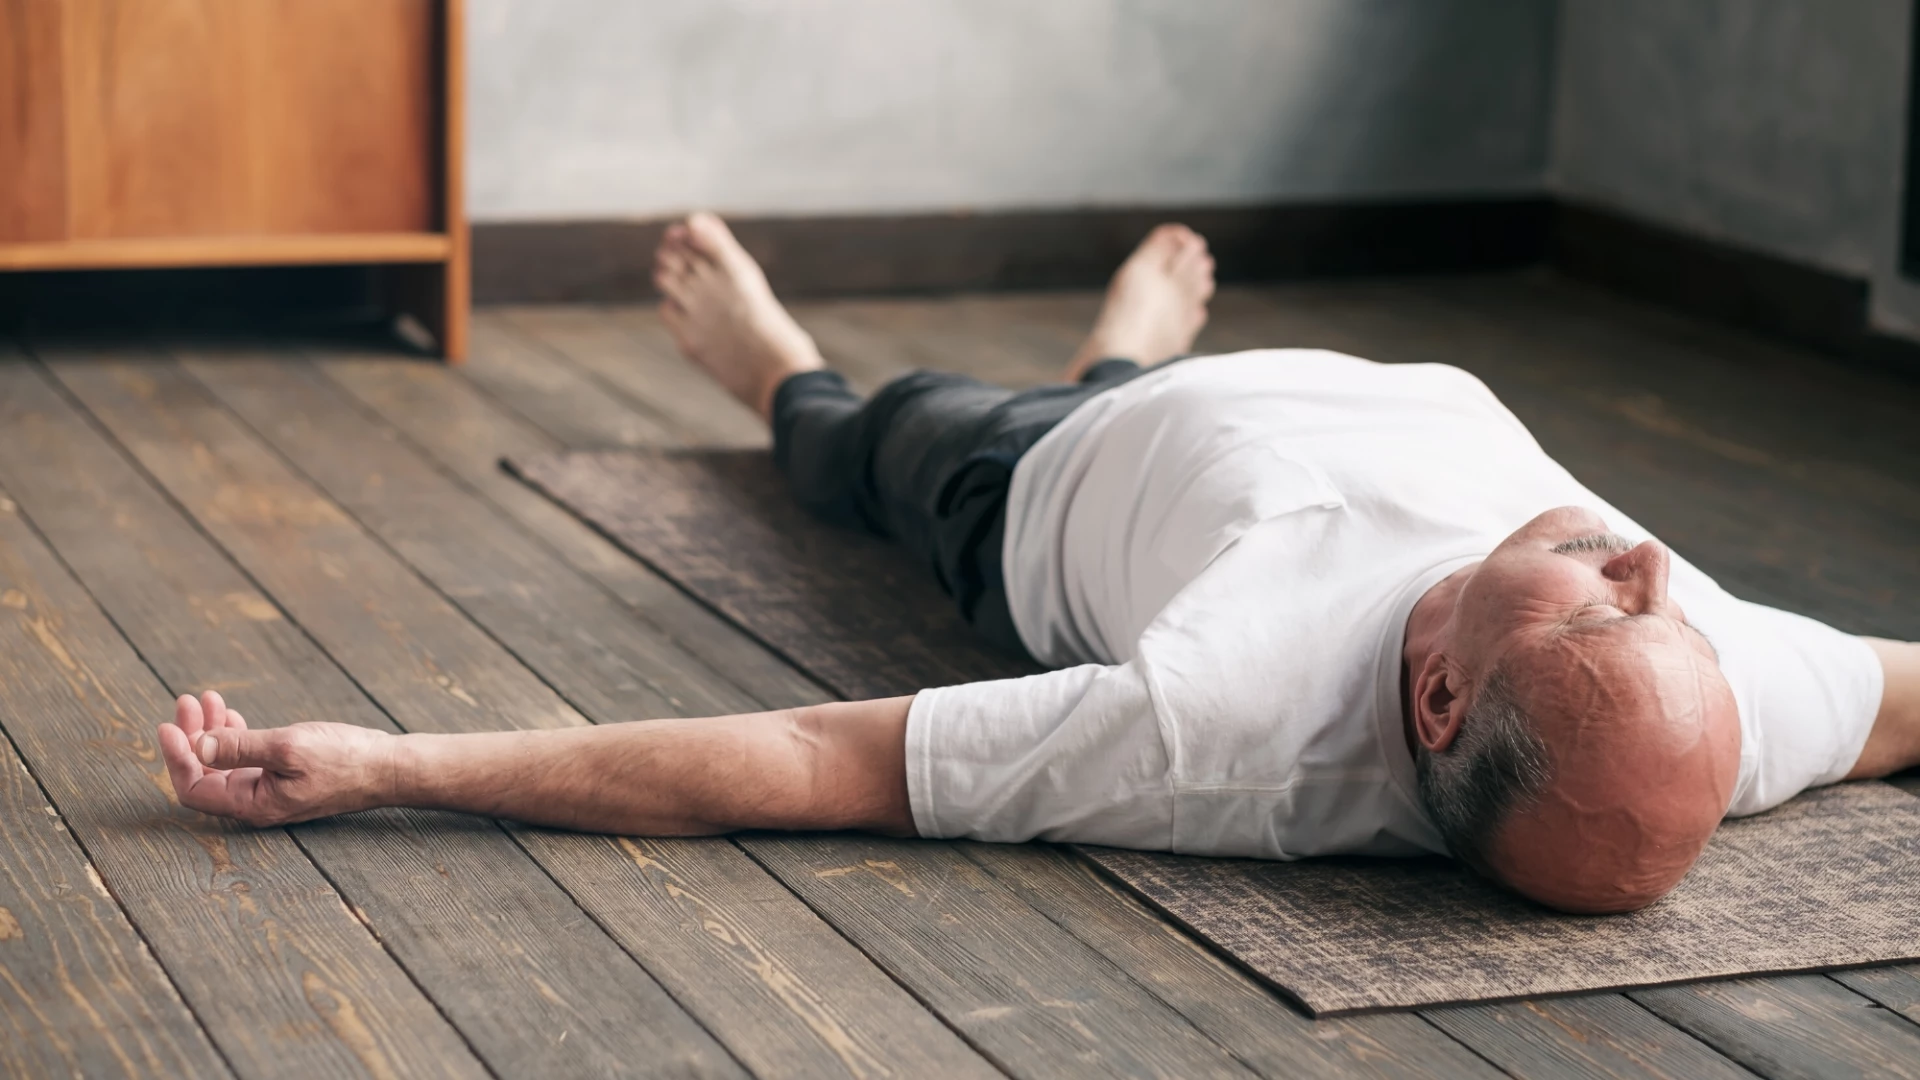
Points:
244	793
235	748
183	769
187	715
212	793
235	720
215	707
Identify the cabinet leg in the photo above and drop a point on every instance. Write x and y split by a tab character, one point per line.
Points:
436	294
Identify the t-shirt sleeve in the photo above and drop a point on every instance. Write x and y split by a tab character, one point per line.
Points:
1075	754
1808	696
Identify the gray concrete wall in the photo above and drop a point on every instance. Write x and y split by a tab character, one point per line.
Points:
641	108
1775	124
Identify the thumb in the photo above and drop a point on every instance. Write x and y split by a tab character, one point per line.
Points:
238	748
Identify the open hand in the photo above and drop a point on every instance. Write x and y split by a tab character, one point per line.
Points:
272	777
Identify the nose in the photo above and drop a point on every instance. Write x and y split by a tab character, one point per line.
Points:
1640	578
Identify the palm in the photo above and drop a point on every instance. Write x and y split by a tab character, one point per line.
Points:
312	773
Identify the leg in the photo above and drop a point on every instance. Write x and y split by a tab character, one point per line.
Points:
928	460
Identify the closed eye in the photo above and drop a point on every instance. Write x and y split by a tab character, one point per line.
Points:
1578	624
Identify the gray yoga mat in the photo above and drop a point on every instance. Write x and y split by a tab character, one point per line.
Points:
1830	880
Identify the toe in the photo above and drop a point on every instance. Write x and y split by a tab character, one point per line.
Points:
709	236
671	262
1193	246
673	240
1193	263
674	314
1160	246
670	273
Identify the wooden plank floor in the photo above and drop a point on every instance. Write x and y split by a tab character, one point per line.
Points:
322	531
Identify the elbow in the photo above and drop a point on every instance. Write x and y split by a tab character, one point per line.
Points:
848	767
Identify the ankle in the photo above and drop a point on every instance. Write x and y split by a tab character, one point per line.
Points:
791	363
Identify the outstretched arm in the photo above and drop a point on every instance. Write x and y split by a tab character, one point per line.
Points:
835	766
1894	744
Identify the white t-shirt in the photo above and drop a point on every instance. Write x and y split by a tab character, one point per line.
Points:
1220	558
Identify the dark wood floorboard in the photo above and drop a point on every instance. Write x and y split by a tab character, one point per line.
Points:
503	952
1797	1026
210	899
1896	988
467	433
816	1008
1593	1035
1033	998
1239	1013
520	371
637	361
80	995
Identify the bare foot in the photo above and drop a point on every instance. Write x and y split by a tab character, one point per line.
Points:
723	315
1156	304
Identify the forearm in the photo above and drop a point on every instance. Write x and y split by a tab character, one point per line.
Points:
1894	744
833	766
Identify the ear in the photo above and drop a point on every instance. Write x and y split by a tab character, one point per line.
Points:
1438	706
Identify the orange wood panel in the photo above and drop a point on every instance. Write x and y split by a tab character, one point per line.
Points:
439	296
456	288
197	117
33	195
227	251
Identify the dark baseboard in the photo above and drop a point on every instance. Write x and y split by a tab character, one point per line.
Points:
612	260
1764	293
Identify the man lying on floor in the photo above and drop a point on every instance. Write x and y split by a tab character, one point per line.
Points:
1299	603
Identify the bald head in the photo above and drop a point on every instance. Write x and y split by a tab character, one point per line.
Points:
1642	741
1575	736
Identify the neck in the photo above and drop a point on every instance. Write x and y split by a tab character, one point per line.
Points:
1427	625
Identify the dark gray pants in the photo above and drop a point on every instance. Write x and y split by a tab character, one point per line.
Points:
927	461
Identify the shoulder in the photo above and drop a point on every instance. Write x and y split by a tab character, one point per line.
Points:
1807	693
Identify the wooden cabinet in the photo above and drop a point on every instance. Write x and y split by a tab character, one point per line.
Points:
177	133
